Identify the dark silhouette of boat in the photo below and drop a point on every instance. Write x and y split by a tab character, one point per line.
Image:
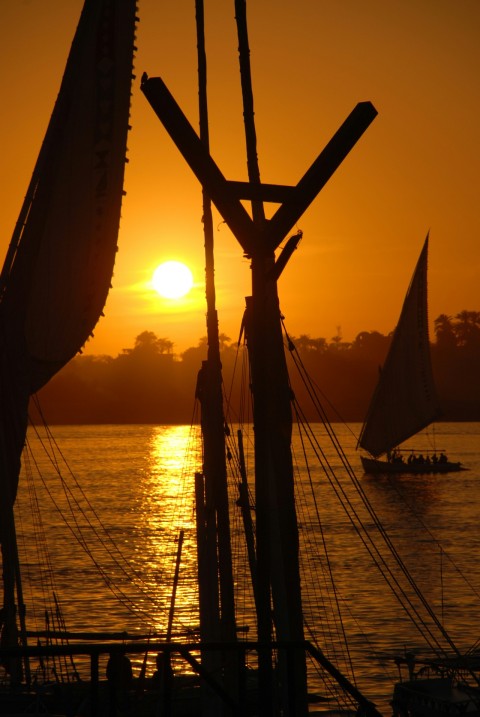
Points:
405	400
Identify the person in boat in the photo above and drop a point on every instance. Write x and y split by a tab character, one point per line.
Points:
119	676
163	675
164	668
395	456
443	458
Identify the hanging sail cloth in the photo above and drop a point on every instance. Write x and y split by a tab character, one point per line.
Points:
405	400
59	265
58	268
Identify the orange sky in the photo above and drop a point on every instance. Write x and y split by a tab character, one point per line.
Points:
416	168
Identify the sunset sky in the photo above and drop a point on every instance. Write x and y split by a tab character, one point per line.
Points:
417	168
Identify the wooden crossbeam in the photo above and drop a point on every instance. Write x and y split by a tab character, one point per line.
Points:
226	195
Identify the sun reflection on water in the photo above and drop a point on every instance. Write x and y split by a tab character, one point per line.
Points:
174	455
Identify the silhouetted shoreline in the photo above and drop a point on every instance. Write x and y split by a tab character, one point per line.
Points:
150	384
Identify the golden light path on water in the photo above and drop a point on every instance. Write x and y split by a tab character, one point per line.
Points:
167	508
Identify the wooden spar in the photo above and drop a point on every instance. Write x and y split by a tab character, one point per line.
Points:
258	211
244	501
214	432
12	582
263	556
213	420
225	195
175	585
207	566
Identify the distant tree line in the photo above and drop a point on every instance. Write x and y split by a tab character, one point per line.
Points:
149	383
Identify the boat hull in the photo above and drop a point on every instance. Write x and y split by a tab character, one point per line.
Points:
373	465
432	697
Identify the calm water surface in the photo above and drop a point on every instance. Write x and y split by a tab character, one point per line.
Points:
112	508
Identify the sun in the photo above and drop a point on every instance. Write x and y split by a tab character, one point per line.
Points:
172	279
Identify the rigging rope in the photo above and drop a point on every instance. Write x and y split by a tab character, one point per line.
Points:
100	533
407	603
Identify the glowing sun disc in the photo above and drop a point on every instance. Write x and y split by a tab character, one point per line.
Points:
172	279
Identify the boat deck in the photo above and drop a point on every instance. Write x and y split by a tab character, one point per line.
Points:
372	465
434	696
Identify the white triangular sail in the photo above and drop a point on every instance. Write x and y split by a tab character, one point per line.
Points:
405	400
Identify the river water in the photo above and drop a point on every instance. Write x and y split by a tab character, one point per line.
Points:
107	515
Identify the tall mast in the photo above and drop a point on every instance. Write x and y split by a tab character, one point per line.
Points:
253	168
278	574
278	584
217	521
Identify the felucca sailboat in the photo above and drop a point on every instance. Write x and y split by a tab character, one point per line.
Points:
405	400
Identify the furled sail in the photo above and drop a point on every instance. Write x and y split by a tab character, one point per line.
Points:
59	265
405	400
